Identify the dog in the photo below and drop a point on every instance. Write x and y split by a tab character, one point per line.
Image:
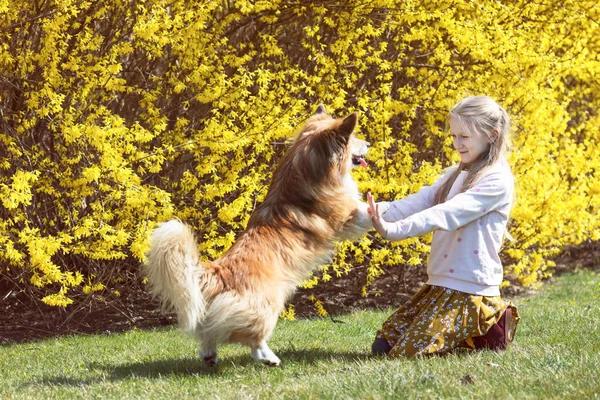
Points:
312	203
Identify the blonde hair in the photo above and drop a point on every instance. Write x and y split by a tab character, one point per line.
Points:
482	117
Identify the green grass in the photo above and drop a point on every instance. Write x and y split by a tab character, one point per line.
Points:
556	355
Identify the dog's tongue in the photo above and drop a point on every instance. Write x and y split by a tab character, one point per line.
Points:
362	162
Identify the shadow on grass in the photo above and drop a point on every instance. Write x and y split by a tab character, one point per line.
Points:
193	367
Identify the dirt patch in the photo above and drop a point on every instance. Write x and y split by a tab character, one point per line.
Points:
23	319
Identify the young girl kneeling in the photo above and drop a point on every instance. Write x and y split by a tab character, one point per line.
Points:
468	208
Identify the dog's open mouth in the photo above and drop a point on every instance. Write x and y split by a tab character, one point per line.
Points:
358	160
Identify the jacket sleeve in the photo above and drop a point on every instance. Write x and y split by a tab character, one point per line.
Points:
423	199
491	193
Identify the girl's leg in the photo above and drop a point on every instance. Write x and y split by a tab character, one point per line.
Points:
500	334
395	327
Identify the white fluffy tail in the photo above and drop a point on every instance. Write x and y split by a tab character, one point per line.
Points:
173	270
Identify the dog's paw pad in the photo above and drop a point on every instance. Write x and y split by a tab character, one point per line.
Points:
210	360
271	363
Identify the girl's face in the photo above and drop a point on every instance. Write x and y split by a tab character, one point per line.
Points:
469	147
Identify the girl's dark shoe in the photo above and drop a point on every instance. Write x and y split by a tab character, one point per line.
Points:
380	347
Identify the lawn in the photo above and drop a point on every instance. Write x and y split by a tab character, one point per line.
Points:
556	355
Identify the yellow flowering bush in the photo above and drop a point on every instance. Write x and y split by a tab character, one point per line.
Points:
117	115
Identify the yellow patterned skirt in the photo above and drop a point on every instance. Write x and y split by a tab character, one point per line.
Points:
437	320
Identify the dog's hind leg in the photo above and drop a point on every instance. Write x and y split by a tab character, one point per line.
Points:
208	354
263	353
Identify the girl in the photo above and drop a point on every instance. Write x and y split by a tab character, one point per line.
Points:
468	209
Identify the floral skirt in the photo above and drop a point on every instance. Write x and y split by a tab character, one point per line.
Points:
437	320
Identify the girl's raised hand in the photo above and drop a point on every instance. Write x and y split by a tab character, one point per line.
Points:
378	222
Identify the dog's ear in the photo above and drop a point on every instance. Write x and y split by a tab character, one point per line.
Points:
347	126
321	109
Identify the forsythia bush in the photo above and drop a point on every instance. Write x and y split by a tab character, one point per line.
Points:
119	114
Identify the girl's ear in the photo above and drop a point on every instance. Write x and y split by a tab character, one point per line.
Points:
495	134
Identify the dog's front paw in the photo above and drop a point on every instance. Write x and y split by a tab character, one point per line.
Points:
361	221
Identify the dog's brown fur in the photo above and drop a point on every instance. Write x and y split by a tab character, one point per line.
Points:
311	204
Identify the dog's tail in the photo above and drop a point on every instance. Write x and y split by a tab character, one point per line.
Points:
174	272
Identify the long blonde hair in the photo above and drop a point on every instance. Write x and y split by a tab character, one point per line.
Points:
479	116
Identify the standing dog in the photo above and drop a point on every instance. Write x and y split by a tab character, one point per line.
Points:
312	203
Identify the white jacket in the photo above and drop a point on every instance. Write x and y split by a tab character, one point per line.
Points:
469	229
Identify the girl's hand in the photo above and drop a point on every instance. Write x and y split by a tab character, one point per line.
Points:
378	222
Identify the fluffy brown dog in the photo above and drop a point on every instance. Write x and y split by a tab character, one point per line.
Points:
312	203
